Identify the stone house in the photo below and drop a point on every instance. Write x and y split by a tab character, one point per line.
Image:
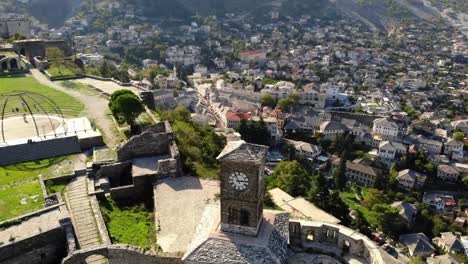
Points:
450	243
233	119
312	97
357	172
386	127
448	172
418	244
331	129
411	179
305	149
407	212
389	151
453	147
460	125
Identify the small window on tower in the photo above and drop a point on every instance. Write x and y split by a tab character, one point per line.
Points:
244	217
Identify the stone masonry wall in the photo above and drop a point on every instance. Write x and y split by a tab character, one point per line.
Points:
152	142
48	247
122	254
114	172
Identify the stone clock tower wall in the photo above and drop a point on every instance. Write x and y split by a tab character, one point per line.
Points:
242	210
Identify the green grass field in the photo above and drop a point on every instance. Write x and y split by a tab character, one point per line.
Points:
20	190
67	104
132	225
350	200
64	69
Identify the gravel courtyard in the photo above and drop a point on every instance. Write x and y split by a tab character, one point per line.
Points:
179	206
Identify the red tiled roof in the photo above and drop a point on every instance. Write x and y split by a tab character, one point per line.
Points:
236	116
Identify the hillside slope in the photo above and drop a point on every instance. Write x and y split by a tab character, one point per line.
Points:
378	14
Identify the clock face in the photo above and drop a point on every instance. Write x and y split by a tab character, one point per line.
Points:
238	181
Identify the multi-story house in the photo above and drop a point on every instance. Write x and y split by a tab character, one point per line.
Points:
389	151
386	128
450	243
233	119
448	172
312	96
407	212
357	172
453	147
411	179
331	129
307	150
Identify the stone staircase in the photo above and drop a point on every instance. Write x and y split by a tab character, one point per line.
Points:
83	217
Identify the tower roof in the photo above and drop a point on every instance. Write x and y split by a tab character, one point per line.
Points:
243	151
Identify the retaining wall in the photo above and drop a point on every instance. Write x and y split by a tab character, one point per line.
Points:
48	247
122	254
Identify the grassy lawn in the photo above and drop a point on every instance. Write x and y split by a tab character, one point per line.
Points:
65	69
54	188
66	103
79	87
132	225
350	200
20	191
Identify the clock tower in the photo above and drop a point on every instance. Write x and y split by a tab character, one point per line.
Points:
242	187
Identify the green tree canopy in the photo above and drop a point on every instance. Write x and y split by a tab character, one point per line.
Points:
291	177
458	135
386	218
373	197
126	104
268	100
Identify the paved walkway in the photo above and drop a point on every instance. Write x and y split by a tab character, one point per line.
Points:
180	204
96	108
83	218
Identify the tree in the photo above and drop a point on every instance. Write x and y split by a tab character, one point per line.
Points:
385	218
291	177
339	176
416	260
130	107
458	135
126	104
319	192
254	132
285	104
268	100
55	55
439	225
373	197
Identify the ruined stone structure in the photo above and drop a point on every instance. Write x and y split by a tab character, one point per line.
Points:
335	240
121	254
142	160
155	140
9	25
10	61
31	48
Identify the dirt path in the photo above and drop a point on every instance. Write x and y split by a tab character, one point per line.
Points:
95	109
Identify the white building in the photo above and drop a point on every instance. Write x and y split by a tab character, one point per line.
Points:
453	148
448	172
307	150
389	150
386	128
331	129
411	179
